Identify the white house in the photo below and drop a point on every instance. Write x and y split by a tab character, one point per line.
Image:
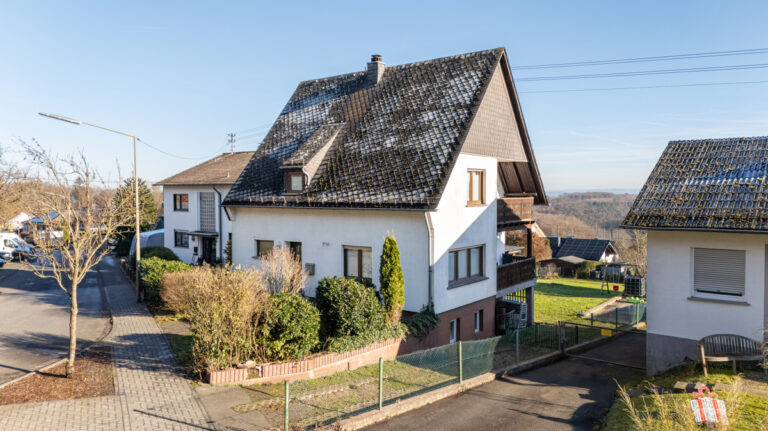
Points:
20	222
196	227
704	208
435	152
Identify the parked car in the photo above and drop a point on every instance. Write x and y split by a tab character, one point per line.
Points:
2	263
13	247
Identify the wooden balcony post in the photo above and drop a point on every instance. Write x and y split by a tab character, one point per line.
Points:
528	241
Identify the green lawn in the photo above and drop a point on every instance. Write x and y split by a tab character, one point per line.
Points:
561	299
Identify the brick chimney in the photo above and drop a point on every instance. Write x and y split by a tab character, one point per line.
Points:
374	71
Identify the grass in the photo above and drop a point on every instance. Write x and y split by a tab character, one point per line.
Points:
672	411
562	299
181	345
343	393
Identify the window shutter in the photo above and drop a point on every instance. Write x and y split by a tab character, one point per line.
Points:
719	271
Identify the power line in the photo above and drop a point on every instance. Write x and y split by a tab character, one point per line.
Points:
181	157
645	59
703	84
646	72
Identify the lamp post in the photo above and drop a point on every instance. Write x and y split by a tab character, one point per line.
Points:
135	186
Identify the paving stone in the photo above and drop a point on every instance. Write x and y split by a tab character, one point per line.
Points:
150	394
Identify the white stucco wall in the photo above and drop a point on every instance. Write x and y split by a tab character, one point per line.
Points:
324	232
190	220
457	225
670	311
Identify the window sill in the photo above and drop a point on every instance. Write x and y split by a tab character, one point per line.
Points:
466	281
719	301
476	204
180	211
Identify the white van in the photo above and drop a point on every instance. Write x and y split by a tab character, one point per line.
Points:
13	247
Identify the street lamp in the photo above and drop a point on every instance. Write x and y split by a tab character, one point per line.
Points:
135	187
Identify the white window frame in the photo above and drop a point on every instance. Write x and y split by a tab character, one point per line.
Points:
453	330
713	295
478	321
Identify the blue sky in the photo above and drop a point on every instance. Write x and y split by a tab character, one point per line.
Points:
182	74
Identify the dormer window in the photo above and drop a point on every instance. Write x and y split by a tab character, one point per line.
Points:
294	181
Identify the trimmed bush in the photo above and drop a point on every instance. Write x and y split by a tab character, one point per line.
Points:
290	328
347	308
391	280
153	270
422	323
159	252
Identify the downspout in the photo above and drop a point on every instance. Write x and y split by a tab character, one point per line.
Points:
431	242
221	228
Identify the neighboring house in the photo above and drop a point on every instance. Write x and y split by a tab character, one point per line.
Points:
195	226
20	222
600	250
704	209
567	266
435	152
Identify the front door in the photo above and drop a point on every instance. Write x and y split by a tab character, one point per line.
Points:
209	250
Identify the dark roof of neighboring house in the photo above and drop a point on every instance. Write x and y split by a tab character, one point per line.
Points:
220	170
589	249
391	145
706	185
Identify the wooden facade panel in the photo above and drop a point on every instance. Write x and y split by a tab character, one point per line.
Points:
514	211
518	271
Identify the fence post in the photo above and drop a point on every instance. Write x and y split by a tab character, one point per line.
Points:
381	382
617	316
517	346
576	328
461	365
591	319
287	398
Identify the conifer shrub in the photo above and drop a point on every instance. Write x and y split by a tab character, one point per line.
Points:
391	280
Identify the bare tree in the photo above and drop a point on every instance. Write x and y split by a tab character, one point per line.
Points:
282	271
13	183
73	204
632	249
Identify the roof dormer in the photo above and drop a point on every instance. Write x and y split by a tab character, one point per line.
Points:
300	167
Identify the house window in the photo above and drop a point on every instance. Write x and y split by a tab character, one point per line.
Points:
454	330
476	194
263	247
295	248
479	321
180	239
181	202
294	181
465	264
357	262
718	271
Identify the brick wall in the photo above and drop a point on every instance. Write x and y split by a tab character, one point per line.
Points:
314	366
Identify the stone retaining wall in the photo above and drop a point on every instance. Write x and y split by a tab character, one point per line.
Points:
311	367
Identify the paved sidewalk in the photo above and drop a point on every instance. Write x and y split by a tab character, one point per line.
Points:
150	394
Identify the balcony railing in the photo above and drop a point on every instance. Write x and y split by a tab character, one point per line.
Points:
515	270
514	211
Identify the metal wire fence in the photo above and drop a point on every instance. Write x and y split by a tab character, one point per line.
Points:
325	400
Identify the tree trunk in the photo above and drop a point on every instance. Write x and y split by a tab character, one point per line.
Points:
72	331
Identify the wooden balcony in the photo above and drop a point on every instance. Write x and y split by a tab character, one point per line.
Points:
513	212
515	270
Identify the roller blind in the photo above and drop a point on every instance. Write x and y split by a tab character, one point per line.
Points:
719	271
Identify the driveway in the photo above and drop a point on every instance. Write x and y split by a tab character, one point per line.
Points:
34	319
572	394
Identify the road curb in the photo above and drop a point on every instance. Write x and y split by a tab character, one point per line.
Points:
80	350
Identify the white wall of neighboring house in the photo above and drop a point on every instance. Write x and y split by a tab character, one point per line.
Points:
457	225
324	232
670	312
189	221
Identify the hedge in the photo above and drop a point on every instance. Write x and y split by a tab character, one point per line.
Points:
160	252
153	270
347	308
290	328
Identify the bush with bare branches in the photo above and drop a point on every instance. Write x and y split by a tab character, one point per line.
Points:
222	307
282	271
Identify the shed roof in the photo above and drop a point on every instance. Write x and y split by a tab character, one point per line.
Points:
589	249
220	170
706	185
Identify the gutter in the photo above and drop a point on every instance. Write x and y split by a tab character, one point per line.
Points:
689	229
221	229
431	241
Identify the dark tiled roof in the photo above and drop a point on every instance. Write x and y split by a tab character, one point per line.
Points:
712	184
223	170
589	249
398	141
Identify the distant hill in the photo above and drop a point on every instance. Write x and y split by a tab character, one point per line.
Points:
586	215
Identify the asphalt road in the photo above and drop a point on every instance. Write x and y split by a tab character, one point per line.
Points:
34	319
572	394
